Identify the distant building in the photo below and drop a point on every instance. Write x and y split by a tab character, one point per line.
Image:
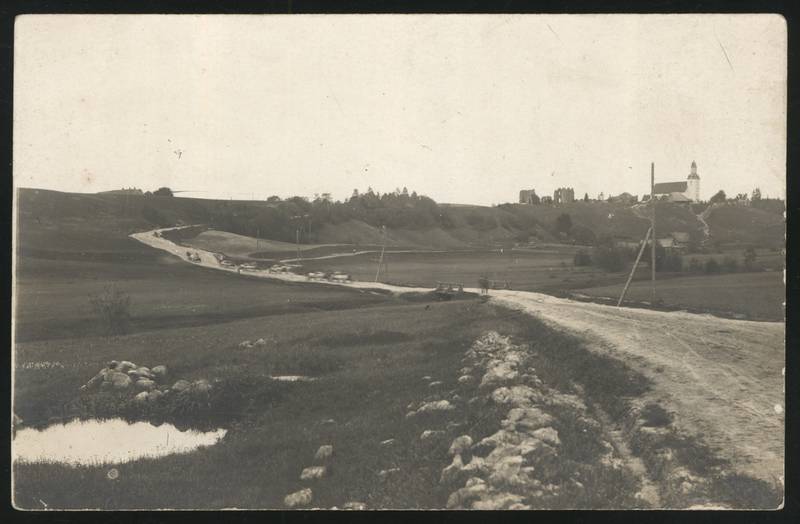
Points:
624	198
547	199
677	242
680	192
627	242
564	195
528	196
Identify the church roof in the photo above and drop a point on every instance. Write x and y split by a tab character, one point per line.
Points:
694	164
693	176
670	187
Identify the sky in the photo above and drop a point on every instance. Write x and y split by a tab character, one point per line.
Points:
463	108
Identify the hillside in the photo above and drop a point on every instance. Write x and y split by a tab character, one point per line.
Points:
52	221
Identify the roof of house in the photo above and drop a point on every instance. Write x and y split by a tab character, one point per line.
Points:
670	187
666	242
680	236
678	197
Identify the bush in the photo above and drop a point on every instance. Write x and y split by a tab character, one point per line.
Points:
582	258
695	266
730	265
669	262
608	257
112	307
712	266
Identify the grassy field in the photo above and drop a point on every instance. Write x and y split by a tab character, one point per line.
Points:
757	296
368	352
533	270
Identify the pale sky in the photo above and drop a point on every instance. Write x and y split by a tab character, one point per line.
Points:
462	108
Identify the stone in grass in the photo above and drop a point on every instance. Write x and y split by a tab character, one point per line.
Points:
298	498
324	453
435	384
181	385
142	396
313	472
435	406
388	442
460	445
357	506
431	434
260	342
201	386
125	366
154	395
547	435
145	384
465	380
119	381
384	473
159	372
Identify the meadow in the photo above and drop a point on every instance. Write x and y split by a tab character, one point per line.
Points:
755	295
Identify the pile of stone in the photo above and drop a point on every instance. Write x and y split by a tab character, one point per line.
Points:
144	383
501	470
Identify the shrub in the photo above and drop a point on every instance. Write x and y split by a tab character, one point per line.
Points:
730	265
608	257
712	266
695	265
112	308
582	258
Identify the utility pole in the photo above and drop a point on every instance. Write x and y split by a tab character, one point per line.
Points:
635	265
653	236
297	240
383	248
258	238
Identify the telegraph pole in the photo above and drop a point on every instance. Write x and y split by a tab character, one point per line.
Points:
653	236
383	248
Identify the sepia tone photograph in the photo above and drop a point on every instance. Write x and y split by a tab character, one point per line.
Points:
415	262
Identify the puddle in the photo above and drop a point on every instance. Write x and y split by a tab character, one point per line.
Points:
97	442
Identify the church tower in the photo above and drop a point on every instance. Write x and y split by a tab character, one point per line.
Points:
693	184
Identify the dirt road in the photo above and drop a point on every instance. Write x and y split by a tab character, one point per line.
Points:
722	378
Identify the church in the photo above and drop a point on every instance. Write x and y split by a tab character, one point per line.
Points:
687	191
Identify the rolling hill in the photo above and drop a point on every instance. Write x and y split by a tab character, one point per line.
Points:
55	222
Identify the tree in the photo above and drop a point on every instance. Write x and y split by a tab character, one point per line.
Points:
719	197
756	195
586	197
582	258
274	199
564	223
712	266
163	191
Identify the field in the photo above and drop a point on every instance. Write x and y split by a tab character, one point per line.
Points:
536	269
757	296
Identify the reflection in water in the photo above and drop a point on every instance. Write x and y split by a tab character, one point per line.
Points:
106	442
